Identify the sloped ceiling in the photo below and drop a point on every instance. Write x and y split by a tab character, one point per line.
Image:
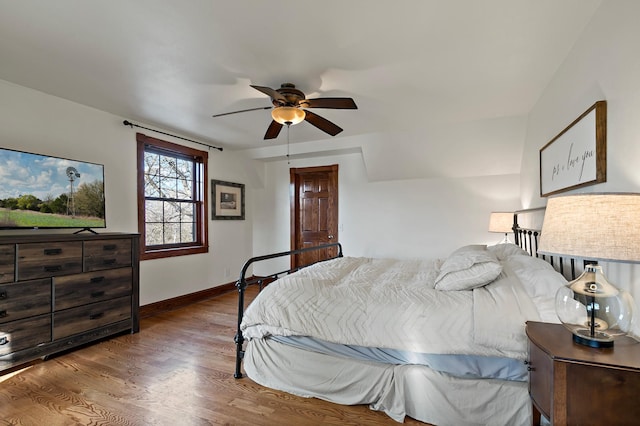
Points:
443	86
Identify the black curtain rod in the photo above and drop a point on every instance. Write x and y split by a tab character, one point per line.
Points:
128	123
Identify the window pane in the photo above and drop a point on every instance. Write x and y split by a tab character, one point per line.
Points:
186	212
151	163
171	212
167	166
151	172
171	233
184	189
153	211
151	186
153	233
188	231
185	169
168	188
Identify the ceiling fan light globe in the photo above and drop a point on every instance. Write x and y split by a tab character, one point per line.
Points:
287	115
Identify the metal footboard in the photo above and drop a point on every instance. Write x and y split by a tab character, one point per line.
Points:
243	282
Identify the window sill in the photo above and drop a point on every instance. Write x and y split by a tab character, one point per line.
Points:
182	251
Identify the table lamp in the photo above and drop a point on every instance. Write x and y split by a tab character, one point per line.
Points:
593	227
501	222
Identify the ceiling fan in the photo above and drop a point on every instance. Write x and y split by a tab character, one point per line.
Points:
290	107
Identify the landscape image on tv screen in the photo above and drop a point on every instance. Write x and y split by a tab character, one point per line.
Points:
40	191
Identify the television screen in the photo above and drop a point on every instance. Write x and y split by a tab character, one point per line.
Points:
40	191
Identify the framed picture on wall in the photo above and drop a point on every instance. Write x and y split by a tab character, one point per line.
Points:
227	200
578	155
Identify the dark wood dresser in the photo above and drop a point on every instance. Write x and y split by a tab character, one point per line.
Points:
573	384
60	291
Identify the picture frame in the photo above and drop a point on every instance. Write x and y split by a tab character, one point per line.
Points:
577	156
227	200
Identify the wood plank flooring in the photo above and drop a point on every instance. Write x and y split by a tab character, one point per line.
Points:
177	371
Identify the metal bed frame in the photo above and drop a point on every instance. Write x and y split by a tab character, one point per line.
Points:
243	282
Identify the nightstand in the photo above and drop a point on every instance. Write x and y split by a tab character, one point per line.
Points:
572	384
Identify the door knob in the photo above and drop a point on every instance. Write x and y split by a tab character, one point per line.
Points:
331	237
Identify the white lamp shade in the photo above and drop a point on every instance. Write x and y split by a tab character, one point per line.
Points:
288	115
593	226
501	222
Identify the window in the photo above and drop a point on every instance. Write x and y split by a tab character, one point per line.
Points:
172	199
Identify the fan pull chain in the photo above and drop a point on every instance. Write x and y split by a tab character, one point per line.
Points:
288	123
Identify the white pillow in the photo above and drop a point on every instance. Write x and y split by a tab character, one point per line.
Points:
467	268
504	250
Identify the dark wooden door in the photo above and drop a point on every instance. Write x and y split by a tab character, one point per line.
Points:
314	212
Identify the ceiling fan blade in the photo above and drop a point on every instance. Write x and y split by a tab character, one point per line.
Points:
273	130
335	103
274	94
242	110
322	123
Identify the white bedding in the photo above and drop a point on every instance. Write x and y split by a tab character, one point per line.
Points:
398	390
393	304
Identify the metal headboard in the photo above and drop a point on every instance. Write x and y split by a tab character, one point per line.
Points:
527	237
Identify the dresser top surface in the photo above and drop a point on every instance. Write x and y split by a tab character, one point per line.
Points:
43	238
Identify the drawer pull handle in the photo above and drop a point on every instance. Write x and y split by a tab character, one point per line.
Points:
53	268
3	340
52	252
97	294
109	247
97	279
3	295
96	316
109	261
3	313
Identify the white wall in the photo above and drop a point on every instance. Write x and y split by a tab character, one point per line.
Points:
603	65
398	218
36	122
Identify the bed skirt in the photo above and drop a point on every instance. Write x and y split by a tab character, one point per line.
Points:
398	390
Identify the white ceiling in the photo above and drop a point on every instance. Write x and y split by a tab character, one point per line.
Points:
411	66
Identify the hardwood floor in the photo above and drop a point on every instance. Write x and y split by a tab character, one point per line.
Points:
177	371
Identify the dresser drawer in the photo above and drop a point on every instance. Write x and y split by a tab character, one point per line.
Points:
7	262
24	333
39	260
84	318
107	254
24	299
91	287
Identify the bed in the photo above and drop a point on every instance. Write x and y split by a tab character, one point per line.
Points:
439	340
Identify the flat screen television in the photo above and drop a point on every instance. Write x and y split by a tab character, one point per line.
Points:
41	191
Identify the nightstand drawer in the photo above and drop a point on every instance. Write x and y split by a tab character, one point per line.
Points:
40	260
24	299
25	333
612	390
107	254
7	263
91	287
540	374
87	317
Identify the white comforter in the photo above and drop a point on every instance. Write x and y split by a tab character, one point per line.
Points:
393	304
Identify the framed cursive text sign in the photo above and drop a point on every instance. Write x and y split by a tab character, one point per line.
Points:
578	155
